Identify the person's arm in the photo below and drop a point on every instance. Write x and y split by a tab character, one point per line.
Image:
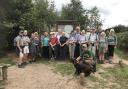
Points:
18	45
90	60
28	40
78	59
65	42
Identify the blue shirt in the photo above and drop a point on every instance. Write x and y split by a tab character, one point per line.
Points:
46	41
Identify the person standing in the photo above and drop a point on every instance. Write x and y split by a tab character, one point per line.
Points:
26	42
63	49
53	46
102	47
41	38
112	42
93	41
45	45
19	47
82	40
34	45
72	44
77	48
58	35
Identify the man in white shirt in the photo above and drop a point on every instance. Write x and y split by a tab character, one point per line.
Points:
26	42
92	41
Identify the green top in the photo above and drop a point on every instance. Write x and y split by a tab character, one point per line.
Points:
87	54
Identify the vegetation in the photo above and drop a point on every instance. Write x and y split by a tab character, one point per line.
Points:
75	11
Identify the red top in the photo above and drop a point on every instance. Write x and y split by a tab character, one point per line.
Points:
53	40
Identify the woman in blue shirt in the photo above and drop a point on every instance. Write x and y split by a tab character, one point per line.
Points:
45	45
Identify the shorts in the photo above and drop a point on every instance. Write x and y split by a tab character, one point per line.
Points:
26	49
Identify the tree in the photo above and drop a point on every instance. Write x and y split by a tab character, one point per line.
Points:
94	17
75	11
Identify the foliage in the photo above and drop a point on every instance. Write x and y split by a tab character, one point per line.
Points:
123	40
119	28
75	11
65	68
32	16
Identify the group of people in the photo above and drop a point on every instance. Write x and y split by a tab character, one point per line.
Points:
56	45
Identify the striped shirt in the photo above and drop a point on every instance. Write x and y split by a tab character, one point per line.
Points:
112	40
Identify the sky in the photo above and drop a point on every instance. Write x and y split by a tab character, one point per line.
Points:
113	12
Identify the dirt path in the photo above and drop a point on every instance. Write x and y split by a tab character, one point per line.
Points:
39	76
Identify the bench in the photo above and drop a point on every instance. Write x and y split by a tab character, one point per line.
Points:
3	70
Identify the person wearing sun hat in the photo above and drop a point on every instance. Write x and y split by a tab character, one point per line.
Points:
82	39
26	41
112	42
93	40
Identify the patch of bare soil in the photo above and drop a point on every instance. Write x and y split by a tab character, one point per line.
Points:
39	76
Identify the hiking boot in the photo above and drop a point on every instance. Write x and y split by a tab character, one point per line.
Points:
21	66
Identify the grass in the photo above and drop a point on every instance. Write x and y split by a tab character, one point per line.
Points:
65	68
121	54
117	76
7	61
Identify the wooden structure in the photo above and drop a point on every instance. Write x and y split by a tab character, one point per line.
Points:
74	23
3	71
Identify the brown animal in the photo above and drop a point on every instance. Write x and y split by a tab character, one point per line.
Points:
82	68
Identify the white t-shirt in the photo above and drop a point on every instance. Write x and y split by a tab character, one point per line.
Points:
82	39
93	37
26	40
87	35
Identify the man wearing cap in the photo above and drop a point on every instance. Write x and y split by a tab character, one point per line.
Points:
82	40
26	41
93	41
19	48
86	57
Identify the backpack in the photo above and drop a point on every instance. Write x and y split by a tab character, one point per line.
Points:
14	41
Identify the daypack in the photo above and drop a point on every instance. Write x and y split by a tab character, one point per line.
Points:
14	41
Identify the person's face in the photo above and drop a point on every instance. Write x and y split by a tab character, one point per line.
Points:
46	34
77	29
53	35
93	31
84	48
21	33
63	33
25	33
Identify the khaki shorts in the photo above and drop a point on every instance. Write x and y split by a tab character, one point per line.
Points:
26	49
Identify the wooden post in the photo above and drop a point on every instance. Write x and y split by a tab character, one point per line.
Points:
4	72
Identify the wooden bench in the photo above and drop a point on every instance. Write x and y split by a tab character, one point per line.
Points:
3	69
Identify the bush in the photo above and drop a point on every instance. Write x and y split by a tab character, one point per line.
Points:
123	40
